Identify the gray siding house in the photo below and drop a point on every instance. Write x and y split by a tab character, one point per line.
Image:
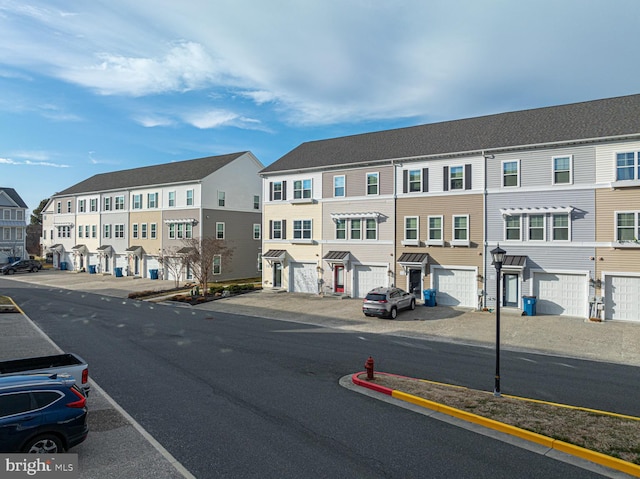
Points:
13	226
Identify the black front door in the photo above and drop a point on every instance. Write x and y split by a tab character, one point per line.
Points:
415	279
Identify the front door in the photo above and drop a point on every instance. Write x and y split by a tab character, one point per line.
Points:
338	278
277	275
414	282
510	290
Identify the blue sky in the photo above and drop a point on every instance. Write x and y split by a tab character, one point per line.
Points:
88	87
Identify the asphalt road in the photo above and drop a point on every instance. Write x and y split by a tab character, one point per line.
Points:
234	396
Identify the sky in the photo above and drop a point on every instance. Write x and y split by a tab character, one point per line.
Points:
92	86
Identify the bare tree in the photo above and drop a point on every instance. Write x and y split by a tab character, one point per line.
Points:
204	255
175	261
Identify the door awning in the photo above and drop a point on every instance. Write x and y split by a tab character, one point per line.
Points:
56	247
105	249
413	259
134	251
275	255
514	263
337	257
80	249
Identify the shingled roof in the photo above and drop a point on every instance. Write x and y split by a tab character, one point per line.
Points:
167	173
13	194
566	123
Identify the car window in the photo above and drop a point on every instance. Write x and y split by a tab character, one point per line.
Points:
14	403
44	398
376	297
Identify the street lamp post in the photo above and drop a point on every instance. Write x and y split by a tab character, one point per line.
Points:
498	257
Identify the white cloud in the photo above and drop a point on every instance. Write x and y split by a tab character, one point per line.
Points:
9	161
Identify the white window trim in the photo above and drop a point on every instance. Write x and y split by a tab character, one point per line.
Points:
350	228
636	167
451	179
153	230
377	175
364	237
119	201
636	219
457	242
344	186
222	197
346	229
213	267
302	239
273	229
517	185
544	227
281	192
135	234
411	242
119	229
224	232
504	226
568	228
419	190
434	242
257	227
302	189
553	170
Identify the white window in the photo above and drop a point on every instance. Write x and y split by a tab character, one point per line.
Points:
143	230
172	230
80	231
373	180
456	178
220	231
256	203
277	191
82	206
276	229
434	236
137	202
94	231
120	202
341	229
172	199
537	228
627	227
512	228
356	229
371	229
415	180
189	197
188	230
68	206
19	234
221	198
561	227
627	166
411	228
257	231
6	234
134	231
118	231
562	170
107	203
86	231
154	230
93	204
59	207
460	229
19	216
302	189
217	264
511	173
338	186
152	200
106	231
302	229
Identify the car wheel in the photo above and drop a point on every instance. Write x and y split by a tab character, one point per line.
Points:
10	271
44	444
394	313
413	304
34	270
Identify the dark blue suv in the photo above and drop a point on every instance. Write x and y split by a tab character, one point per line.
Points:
42	414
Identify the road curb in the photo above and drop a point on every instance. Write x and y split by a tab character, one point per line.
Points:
561	446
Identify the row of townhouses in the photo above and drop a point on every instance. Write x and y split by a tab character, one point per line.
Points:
421	208
13	226
128	222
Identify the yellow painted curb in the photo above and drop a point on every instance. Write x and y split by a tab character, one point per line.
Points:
593	456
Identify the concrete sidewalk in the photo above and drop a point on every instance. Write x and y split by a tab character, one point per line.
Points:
611	341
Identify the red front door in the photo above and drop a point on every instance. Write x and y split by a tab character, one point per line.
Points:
338	278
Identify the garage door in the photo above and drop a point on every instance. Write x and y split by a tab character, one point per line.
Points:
622	300
365	278
304	278
562	294
455	287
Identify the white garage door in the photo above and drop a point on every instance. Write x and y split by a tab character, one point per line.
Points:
455	287
622	298
560	293
304	278
365	278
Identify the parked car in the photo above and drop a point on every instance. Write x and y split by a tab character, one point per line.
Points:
41	414
386	302
30	265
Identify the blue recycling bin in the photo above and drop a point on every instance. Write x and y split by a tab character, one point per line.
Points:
429	297
92	269
153	273
118	272
529	305
63	265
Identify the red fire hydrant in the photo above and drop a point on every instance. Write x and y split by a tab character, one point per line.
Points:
369	367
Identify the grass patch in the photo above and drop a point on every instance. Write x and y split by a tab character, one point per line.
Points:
614	435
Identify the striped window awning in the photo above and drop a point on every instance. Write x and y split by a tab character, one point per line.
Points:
536	211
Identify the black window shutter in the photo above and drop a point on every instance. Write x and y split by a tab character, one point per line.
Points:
270	229
284	190
405	181
467	177
271	191
284	229
425	180
445	185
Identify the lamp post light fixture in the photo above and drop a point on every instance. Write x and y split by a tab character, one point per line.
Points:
498	257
